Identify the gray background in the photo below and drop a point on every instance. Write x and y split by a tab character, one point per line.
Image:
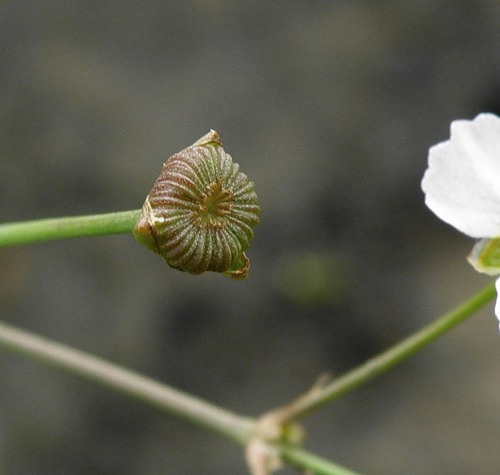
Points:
330	107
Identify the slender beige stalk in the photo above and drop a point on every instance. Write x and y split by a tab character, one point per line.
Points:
121	380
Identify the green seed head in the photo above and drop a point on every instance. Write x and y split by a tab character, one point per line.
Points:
200	212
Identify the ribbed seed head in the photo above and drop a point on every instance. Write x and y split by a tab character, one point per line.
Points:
200	212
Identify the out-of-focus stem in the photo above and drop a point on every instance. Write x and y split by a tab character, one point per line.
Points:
125	381
324	394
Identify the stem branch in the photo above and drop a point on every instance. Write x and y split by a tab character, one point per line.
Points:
197	411
233	426
381	363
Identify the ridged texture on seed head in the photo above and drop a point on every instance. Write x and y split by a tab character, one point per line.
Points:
200	212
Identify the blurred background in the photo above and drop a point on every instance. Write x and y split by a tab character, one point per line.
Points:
330	107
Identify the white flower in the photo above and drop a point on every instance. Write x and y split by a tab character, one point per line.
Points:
462	187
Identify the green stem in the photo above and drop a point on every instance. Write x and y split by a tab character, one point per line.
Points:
197	411
12	234
317	465
381	363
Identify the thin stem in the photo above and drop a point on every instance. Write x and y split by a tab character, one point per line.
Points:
121	380
381	363
25	232
317	465
197	411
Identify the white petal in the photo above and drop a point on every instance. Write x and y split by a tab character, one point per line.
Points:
497	304
462	183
